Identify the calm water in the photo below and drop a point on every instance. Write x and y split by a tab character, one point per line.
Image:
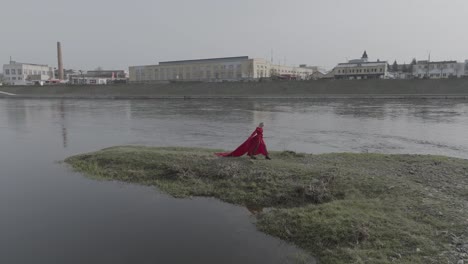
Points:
50	214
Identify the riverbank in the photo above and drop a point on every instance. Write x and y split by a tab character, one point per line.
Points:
341	207
385	89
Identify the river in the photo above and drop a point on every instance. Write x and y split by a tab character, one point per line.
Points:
50	214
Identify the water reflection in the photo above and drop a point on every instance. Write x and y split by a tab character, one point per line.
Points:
63	123
389	126
16	114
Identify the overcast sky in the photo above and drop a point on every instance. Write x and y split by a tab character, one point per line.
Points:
116	34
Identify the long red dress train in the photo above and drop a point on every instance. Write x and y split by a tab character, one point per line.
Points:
254	145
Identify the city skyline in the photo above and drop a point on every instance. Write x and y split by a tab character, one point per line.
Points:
122	34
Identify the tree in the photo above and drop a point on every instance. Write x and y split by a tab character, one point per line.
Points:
404	68
395	66
413	62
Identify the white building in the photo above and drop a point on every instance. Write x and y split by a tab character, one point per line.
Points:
438	69
215	69
361	69
16	73
78	80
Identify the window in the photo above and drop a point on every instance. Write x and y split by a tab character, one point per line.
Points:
7	72
14	78
19	78
13	71
20	72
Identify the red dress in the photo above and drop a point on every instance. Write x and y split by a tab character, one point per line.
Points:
254	145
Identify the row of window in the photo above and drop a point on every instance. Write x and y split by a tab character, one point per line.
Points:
188	75
14	78
437	66
20	72
437	75
195	68
374	70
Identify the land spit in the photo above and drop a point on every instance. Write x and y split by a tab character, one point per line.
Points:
385	89
340	207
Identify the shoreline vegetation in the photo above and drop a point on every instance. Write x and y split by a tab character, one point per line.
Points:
320	89
339	207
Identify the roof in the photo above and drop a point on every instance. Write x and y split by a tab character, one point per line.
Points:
435	62
369	63
364	55
206	60
23	63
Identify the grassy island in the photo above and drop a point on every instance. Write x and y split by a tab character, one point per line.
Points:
340	207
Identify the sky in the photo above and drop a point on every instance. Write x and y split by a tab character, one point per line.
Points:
117	34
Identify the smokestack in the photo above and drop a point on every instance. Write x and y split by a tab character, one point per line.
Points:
60	62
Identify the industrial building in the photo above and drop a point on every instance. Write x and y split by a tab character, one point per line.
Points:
216	69
16	73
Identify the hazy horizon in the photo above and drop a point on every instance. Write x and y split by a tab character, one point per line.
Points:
118	34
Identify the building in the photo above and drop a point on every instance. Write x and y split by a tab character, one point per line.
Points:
215	69
98	77
361	69
84	80
16	73
466	68
316	75
108	74
438	69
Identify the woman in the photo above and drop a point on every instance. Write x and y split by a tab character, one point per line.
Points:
254	145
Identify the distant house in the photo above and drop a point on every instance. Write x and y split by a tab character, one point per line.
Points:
317	75
361	69
99	77
438	69
115	74
78	80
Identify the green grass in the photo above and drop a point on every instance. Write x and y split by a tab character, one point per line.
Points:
340	207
